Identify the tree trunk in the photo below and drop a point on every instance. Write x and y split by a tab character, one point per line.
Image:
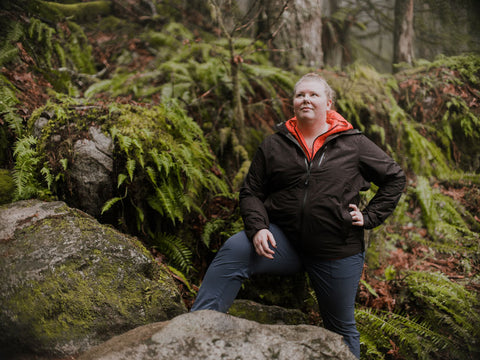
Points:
293	31
309	35
235	64
403	33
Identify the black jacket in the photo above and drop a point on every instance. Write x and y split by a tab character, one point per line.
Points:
309	200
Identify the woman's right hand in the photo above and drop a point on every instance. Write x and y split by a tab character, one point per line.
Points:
262	240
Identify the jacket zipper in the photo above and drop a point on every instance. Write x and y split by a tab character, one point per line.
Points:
323	156
308	165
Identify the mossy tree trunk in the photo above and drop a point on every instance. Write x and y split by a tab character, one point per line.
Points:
81	10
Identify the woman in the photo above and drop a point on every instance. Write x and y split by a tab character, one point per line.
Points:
299	203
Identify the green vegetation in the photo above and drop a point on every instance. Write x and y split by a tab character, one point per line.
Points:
444	320
85	295
166	98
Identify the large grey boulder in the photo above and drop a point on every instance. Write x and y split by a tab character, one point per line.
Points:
211	335
69	283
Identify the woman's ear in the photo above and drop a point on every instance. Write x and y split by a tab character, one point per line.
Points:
329	104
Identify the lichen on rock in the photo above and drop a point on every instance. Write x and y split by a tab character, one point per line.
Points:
211	335
69	283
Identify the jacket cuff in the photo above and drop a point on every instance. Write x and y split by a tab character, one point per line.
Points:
367	221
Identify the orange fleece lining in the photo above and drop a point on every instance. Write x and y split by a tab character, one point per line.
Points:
336	124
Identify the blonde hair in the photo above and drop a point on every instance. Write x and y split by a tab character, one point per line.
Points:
314	76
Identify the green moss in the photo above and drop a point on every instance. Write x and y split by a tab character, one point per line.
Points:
98	293
81	11
267	314
7	187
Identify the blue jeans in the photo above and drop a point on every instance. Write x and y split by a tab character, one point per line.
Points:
335	281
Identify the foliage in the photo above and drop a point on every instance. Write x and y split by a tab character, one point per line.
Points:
196	71
380	330
178	80
451	307
169	151
444	222
61	52
8	102
441	98
164	168
175	250
27	161
8	51
445	321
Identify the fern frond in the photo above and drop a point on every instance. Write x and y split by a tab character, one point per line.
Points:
180	276
410	335
131	164
163	161
211	228
108	205
8	101
175	250
24	174
47	174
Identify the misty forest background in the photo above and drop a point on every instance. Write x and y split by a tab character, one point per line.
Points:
188	90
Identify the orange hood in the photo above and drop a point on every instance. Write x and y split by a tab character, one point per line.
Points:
336	123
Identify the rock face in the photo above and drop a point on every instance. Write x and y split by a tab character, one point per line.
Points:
210	335
91	169
92	172
69	283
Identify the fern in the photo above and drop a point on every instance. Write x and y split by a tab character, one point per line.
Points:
211	228
12	33
410	335
131	164
175	250
443	221
8	111
180	276
24	174
109	203
42	34
450	305
163	161
424	157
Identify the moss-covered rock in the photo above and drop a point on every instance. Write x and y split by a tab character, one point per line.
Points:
6	186
265	314
69	283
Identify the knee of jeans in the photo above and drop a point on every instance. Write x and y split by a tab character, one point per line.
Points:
238	247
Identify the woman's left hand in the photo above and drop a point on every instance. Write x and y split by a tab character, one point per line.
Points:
356	214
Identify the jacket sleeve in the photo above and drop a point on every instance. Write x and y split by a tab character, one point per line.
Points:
253	194
377	167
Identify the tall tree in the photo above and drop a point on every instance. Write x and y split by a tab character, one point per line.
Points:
308	34
292	29
403	33
228	26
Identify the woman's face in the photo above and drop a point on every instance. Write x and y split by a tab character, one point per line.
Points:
310	102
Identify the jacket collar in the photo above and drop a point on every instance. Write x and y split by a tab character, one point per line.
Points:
337	124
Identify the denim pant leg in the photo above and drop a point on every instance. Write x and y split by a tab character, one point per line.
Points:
235	262
335	283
